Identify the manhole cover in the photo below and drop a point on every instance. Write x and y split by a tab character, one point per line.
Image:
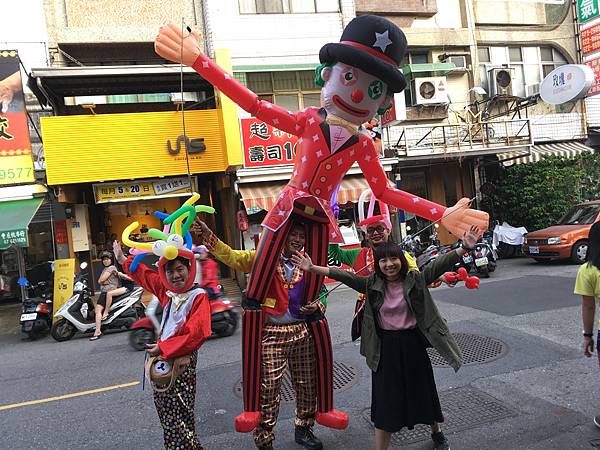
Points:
463	408
344	377
476	349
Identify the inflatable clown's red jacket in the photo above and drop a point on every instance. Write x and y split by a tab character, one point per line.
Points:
196	328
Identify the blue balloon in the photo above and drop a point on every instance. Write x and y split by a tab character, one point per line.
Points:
136	261
188	240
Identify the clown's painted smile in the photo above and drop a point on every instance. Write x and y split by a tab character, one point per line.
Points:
349	109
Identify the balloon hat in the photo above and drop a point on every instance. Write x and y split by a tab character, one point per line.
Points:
173	241
383	207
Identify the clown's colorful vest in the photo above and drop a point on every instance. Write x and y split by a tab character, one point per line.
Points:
282	295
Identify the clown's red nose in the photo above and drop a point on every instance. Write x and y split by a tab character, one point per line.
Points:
357	96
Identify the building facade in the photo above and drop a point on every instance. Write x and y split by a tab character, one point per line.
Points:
474	69
131	133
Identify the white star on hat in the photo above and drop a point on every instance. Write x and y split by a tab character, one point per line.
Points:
382	40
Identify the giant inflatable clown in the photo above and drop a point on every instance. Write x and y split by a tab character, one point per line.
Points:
358	76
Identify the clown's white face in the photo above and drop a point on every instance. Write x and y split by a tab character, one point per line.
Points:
352	94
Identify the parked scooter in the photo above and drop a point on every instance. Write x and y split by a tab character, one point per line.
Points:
485	255
224	321
36	312
77	314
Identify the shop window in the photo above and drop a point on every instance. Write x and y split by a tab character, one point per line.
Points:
484	54
285	81
311	100
515	54
450	193
414	57
415	182
530	64
288	89
287	6
307	80
260	82
288	101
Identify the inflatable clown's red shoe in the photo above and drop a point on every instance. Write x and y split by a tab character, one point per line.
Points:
332	419
247	421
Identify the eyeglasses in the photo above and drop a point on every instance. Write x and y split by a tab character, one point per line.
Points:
378	229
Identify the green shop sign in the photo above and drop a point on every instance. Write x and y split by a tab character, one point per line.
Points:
587	10
13	237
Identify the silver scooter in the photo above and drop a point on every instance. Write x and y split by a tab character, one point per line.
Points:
77	314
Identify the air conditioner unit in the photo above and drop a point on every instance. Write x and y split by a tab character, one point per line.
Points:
501	81
532	89
459	61
429	91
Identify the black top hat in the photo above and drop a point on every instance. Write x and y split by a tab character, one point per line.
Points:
372	44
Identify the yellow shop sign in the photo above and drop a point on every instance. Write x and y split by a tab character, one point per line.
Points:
143	189
109	147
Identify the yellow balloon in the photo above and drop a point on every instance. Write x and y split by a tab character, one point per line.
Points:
170	252
190	201
132	244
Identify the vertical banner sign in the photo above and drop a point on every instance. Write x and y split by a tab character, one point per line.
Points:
587	10
80	229
64	272
16	163
590	39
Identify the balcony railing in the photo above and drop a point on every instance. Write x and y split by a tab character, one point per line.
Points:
459	139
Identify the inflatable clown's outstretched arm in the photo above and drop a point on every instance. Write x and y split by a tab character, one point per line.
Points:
457	219
184	48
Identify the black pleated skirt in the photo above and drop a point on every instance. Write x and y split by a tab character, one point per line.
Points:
403	388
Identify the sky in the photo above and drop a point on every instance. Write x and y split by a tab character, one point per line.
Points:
24	29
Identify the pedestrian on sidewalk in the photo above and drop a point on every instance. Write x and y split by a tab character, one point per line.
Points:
185	327
587	285
286	338
400	320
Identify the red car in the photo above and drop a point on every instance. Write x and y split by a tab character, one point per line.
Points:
567	239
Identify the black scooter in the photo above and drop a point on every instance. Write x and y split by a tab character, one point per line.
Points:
485	256
36	313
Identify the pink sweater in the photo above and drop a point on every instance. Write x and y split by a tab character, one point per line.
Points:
395	314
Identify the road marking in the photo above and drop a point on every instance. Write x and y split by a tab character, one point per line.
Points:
62	397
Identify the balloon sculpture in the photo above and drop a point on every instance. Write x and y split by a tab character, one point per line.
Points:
359	76
383	209
173	241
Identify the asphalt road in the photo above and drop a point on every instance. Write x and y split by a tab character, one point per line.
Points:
538	393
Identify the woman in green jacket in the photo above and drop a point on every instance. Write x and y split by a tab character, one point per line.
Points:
400	320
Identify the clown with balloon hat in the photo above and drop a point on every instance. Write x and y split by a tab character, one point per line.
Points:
171	367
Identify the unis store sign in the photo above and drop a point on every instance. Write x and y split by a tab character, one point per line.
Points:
109	147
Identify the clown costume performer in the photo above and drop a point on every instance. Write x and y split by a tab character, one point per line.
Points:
286	339
358	76
185	326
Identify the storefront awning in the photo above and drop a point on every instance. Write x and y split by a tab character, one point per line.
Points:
257	196
14	219
539	152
